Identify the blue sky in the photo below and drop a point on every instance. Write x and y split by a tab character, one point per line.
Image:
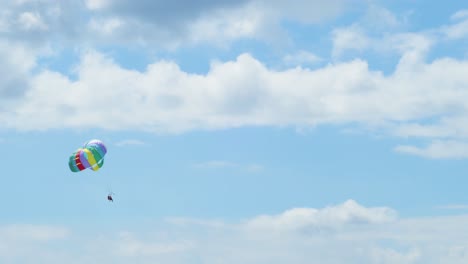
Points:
237	131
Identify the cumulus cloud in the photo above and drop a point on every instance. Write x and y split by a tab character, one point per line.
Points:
129	245
380	18
243	92
33	232
360	234
234	93
97	4
155	23
300	219
409	46
26	243
167	25
382	31
31	21
349	38
437	149
17	64
458	29
301	57
35	23
208	21
461	14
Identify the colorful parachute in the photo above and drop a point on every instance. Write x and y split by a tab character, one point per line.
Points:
91	155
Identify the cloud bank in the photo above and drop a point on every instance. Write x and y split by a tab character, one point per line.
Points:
342	233
243	92
422	96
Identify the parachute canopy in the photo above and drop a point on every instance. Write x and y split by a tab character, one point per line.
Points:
91	155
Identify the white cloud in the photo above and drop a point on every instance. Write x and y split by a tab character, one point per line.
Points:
389	255
301	57
213	22
32	232
41	26
172	25
458	29
361	235
105	26
31	21
129	245
412	47
156	24
308	12
379	18
4	22
243	92
379	30
302	219
27	243
17	63
418	130
461	14
438	149
96	4
350	38
455	127
226	25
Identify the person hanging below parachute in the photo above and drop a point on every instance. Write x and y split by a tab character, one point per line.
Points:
109	196
90	156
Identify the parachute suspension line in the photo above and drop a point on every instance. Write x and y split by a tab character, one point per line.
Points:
109	190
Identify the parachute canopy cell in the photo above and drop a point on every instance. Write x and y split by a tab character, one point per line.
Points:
91	155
